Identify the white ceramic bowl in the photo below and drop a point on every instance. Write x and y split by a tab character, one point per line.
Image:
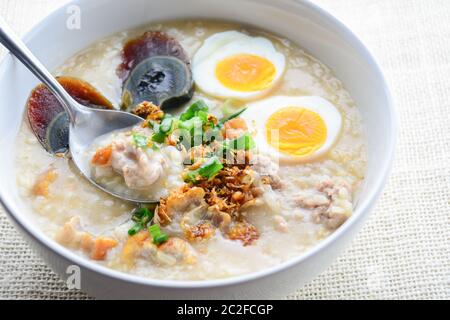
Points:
318	32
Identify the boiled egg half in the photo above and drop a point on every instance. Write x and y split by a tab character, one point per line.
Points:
232	64
293	128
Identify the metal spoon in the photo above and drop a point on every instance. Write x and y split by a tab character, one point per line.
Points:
86	124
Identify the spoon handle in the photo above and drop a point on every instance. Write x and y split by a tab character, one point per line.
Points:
16	47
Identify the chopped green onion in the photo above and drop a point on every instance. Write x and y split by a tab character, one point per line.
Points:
161	238
152	123
193	110
141	216
194	122
193	131
244	142
166	125
191	176
203	115
230	107
158	137
208	170
154	230
158	236
135	229
234	115
140	140
163	129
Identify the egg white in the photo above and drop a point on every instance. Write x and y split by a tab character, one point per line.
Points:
258	113
225	44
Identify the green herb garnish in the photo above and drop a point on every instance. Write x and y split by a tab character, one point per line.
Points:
157	235
231	107
163	129
193	131
191	124
135	229
161	238
166	125
193	110
244	142
198	127
140	140
208	170
158	137
141	217
234	115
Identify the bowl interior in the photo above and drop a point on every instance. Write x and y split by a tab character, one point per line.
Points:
303	23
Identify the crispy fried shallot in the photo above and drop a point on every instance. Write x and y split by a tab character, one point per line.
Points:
149	111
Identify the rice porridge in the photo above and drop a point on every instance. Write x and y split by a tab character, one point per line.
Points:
281	173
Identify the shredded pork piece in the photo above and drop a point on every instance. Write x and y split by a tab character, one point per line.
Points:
138	169
133	246
280	224
219	218
177	202
179	249
330	203
71	235
173	251
267	169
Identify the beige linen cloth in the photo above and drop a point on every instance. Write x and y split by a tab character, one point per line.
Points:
403	252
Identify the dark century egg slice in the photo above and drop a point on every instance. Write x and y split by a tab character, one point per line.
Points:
155	68
47	118
151	43
163	80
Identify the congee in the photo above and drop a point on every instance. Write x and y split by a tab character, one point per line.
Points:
250	152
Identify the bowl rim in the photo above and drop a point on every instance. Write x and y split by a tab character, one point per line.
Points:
363	207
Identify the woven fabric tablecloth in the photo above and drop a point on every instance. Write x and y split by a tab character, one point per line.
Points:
403	252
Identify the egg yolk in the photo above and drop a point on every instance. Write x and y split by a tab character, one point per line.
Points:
245	72
296	131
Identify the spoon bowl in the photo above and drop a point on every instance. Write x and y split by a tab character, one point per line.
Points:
91	124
